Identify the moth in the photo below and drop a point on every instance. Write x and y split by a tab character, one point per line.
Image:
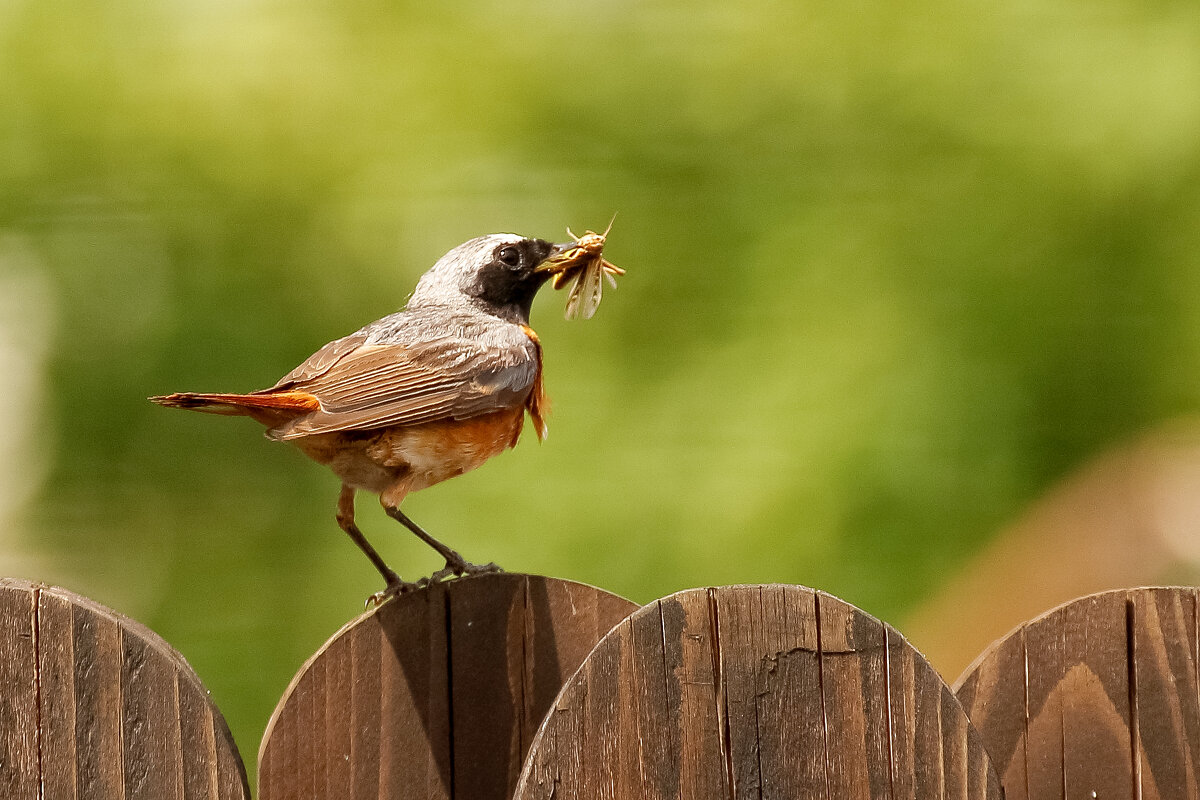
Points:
587	266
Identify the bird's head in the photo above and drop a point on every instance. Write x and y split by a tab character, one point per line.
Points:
499	273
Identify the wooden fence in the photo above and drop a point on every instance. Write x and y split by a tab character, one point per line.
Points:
515	686
95	705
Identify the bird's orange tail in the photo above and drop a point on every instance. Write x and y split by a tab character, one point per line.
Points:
239	404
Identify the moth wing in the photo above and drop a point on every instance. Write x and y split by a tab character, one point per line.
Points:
573	297
586	293
593	288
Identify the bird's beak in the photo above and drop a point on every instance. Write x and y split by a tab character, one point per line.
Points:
562	257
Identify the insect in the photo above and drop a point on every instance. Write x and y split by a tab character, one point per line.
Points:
585	264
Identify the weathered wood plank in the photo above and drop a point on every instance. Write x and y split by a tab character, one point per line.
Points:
414	697
956	745
436	694
337	736
773	705
740	616
910	772
755	692
855	692
487	685
150	732
1163	627
929	777
1095	698
56	657
99	767
19	771
366	721
197	741
1044	734
691	660
790	717
632	754
655	726
601	729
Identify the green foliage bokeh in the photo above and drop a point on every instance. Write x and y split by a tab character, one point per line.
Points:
892	270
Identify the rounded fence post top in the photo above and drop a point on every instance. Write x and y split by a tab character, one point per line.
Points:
95	704
1100	694
436	693
755	690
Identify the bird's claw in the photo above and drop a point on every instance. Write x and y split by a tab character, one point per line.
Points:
393	589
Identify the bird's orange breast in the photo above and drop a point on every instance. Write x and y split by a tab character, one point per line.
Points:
407	458
435	451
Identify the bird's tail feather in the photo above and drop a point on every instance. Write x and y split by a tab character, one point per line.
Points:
239	404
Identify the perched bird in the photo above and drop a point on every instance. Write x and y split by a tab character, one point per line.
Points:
429	392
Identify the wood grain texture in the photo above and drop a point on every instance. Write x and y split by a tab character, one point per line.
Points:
94	705
435	694
20	750
1096	698
755	692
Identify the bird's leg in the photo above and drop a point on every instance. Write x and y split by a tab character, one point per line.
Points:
455	564
345	520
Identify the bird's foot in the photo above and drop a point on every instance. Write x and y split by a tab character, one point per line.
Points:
453	569
394	588
460	568
481	569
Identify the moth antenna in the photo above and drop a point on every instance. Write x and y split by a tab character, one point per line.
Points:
610	224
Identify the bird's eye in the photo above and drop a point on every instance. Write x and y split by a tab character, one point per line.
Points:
510	256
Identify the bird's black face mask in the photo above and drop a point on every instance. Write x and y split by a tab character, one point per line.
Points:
510	281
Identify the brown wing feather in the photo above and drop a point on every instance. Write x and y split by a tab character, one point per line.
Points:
319	362
381	385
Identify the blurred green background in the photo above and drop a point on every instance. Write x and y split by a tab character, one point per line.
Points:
893	270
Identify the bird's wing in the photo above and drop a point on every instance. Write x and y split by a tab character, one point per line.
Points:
320	362
378	385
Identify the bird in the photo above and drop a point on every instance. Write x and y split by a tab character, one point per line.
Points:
429	392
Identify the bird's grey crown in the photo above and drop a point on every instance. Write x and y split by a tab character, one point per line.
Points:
448	282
